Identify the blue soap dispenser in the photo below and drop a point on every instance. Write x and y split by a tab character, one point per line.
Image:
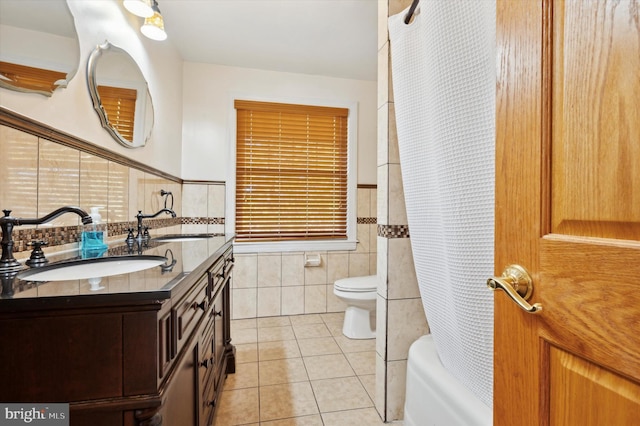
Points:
93	240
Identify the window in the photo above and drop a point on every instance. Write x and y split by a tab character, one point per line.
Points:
119	104
291	172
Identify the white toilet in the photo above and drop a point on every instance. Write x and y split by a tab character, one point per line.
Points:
359	293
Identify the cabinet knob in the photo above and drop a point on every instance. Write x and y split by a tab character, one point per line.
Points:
205	363
202	305
217	313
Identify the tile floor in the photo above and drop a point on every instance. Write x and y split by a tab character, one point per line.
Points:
299	371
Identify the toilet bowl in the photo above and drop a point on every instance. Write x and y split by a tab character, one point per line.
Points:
359	293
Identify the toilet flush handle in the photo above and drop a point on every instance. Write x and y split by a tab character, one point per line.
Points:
517	283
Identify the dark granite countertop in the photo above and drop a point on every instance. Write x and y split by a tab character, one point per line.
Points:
192	259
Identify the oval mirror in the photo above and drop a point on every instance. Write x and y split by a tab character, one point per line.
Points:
120	95
39	47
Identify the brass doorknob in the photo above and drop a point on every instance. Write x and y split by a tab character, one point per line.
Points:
517	283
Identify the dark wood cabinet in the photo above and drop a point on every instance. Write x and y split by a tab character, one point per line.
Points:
157	358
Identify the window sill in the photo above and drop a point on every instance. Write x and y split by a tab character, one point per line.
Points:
287	246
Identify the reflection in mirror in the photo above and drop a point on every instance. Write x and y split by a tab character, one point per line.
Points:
39	47
120	95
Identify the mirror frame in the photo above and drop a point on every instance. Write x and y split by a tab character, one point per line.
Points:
92	82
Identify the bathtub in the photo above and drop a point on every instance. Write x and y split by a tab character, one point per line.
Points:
434	397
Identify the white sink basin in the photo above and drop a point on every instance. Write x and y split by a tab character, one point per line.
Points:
182	237
79	269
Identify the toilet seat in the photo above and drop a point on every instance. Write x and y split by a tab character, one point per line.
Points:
357	284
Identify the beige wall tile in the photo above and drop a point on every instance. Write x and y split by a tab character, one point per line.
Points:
136	192
396	384
94	183
118	194
401	273
269	301
337	266
392	148
314	275
269	270
397	210
364	202
245	272
381	327
364	243
406	322
216	200
292	269
382	266
315	299
381	386
194	200
358	264
383	195
19	172
244	303
292	300
58	181
383	134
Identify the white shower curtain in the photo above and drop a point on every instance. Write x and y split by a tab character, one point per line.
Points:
443	72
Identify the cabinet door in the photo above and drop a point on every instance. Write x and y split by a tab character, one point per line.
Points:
180	402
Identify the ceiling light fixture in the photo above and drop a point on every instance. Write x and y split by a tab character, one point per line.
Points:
141	8
153	26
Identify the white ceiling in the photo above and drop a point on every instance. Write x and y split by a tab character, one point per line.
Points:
336	38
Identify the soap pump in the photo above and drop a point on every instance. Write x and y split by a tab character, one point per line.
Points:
93	240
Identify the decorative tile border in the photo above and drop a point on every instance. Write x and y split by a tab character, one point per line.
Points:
367	220
60	235
393	231
202	220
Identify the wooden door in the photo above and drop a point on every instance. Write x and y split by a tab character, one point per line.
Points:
568	210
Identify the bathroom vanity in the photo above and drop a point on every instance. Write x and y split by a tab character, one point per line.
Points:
151	347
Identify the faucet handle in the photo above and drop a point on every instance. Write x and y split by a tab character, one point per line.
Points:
37	255
6	212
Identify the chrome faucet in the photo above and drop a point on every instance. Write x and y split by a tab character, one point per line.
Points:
144	235
7	222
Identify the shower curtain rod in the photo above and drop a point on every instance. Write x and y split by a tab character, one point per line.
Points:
411	10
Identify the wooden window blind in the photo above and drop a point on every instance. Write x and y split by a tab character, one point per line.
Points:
31	78
120	106
291	172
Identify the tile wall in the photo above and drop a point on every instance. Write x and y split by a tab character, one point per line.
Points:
272	284
400	315
38	176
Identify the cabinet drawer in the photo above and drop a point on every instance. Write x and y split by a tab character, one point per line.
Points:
190	311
